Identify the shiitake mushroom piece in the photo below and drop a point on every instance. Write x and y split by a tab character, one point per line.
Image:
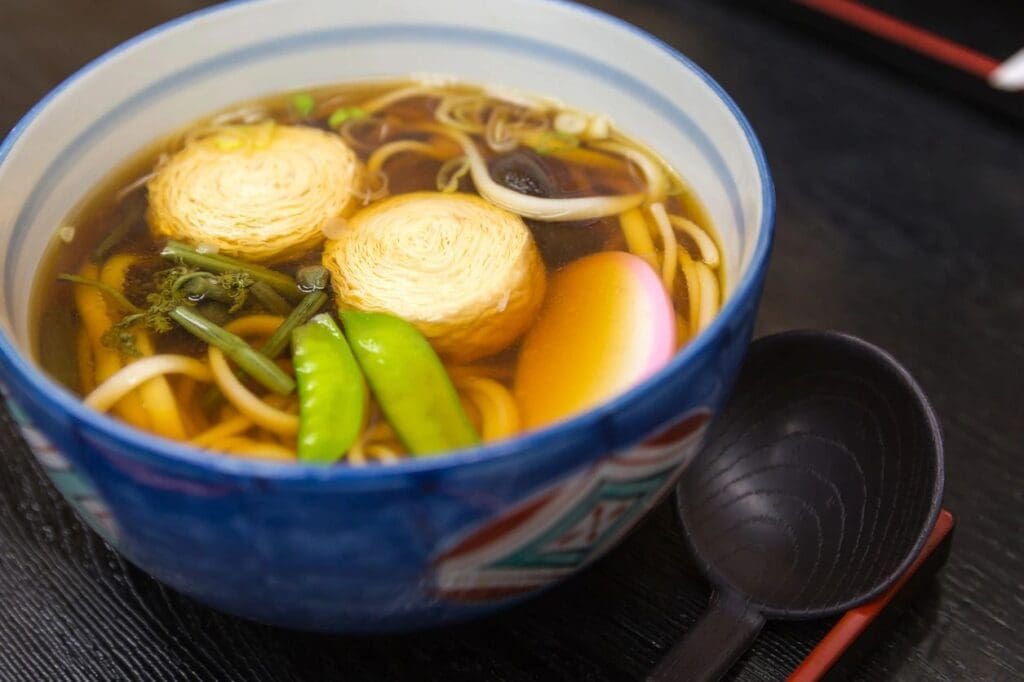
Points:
528	172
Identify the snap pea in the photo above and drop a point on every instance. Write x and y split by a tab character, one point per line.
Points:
332	393
410	383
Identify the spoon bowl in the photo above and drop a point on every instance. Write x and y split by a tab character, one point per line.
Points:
818	487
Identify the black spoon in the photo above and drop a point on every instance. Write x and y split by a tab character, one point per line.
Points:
819	486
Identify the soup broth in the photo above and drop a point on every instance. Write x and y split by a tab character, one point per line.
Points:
454	231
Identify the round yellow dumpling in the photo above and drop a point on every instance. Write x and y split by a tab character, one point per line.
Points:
258	192
465	272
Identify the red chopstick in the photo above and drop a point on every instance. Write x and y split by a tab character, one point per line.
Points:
906	34
854	622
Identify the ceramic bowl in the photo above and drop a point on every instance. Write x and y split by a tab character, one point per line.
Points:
426	541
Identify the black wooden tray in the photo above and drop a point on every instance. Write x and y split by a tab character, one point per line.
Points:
902	205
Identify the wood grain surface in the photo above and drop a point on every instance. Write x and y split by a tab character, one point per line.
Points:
900	219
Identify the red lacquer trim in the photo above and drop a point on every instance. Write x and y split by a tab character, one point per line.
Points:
903	33
854	622
678	432
498	528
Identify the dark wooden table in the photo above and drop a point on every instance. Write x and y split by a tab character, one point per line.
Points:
900	219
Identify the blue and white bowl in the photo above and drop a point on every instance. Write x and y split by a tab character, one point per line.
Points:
426	541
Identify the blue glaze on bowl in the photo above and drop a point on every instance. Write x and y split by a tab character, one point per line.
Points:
427	541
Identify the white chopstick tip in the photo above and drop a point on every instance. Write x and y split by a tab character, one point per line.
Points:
1009	75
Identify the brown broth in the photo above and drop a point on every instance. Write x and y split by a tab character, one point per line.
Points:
55	320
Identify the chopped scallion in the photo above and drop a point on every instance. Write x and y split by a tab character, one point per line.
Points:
345	114
303	103
555	141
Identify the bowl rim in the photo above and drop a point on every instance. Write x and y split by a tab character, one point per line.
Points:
145	446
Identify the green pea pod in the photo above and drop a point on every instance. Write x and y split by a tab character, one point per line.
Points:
332	393
411	385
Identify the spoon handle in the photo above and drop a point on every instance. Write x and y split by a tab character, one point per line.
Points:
715	643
